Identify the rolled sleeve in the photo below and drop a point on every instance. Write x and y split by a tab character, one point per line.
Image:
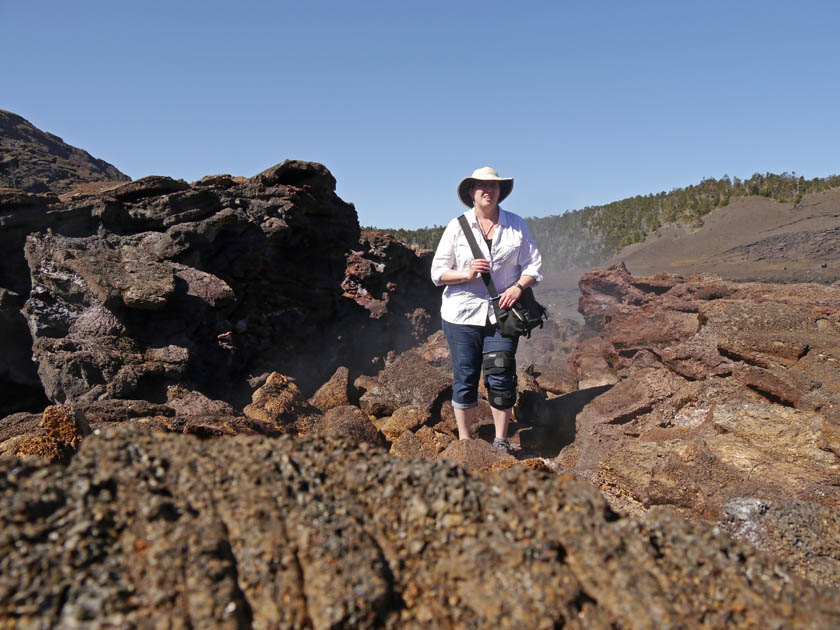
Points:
444	258
530	259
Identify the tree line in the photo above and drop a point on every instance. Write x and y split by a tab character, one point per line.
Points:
590	235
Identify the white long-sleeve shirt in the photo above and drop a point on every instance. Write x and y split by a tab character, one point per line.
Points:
512	255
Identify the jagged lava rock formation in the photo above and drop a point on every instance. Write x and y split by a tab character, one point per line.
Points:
721	399
34	161
211	286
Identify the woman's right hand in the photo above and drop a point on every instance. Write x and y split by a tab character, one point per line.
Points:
478	266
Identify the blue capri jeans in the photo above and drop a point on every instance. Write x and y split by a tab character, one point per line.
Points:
467	345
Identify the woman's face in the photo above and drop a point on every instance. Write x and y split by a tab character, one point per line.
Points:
485	194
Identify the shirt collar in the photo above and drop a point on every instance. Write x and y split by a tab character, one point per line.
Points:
473	218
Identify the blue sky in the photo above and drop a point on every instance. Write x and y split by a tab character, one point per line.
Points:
582	102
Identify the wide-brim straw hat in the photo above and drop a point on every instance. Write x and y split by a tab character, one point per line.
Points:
484	174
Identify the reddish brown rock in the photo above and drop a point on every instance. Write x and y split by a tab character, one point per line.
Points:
351	423
555	379
474	454
44	447
408	418
100	412
18	424
280	403
723	390
435	350
333	393
434	440
407	445
62	424
186	402
594	362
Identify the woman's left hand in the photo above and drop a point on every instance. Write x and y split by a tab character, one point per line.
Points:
509	297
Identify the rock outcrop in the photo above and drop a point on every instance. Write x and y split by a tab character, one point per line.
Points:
34	161
210	286
146	530
712	393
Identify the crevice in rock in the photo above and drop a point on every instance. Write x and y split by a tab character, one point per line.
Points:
804	353
244	613
734	356
394	601
63	598
773	398
656	289
686	374
632	415
561	553
299	573
582	599
657	547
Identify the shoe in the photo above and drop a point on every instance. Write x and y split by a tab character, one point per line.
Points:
502	444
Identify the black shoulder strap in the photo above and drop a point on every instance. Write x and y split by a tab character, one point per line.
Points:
477	253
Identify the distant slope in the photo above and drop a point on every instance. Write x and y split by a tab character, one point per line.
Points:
35	161
588	237
752	238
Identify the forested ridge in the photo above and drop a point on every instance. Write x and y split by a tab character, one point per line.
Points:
587	237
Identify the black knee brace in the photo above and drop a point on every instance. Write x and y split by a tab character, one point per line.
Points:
502	363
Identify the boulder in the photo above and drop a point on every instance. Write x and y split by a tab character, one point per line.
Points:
351	423
409	380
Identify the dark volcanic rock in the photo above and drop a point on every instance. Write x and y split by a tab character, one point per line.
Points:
37	162
409	380
146	530
212	286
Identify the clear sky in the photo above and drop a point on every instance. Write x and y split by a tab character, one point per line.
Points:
582	102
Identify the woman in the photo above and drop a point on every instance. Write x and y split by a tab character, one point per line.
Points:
514	263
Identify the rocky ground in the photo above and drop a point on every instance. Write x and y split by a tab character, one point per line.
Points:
145	529
226	406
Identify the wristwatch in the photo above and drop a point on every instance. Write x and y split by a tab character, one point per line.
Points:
521	288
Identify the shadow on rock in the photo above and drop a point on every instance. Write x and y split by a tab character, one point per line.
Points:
556	426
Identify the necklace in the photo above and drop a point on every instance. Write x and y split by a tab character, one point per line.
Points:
486	233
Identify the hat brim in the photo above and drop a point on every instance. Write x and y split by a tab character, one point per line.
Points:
505	188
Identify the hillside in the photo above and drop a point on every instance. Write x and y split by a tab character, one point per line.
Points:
751	239
590	236
35	161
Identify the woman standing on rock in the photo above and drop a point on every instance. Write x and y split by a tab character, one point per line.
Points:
513	261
